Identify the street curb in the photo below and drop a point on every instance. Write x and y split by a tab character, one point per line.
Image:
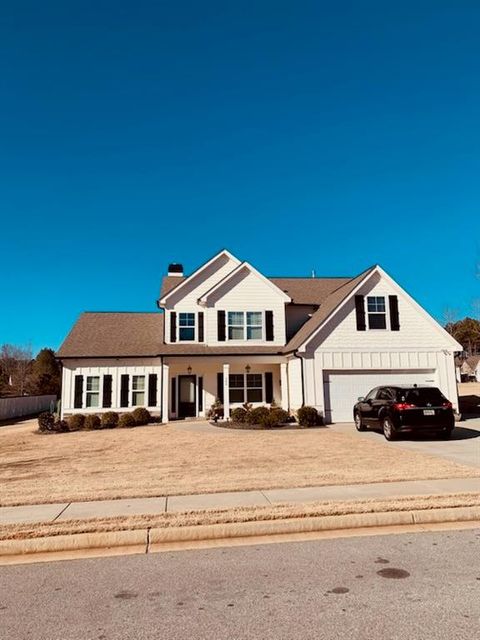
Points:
276	527
75	542
148	540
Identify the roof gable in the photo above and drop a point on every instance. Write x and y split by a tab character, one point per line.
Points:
340	298
333	302
222	286
195	279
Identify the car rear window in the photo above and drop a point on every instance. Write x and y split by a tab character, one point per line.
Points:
421	397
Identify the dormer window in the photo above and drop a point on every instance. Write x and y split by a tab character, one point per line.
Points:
245	325
186	327
377	313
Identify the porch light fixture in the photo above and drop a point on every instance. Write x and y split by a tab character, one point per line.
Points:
247	368
189	370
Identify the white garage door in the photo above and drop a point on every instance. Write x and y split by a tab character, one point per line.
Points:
342	389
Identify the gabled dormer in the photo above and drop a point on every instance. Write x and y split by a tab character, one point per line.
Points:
224	302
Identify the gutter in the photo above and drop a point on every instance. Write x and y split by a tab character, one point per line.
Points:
295	353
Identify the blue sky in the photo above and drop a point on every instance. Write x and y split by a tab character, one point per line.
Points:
299	135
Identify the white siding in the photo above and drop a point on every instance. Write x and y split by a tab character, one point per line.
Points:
246	291
102	367
295	383
406	365
249	293
416	330
208	370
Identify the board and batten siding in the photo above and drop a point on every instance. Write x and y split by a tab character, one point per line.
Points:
115	368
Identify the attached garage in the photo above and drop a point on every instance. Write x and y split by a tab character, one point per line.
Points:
343	388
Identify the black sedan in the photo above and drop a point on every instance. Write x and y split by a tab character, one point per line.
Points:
405	409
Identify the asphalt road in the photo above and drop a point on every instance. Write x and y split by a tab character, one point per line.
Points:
414	586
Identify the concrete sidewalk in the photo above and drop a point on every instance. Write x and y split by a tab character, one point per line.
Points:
171	504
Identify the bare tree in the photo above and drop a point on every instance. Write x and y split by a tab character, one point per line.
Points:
449	316
15	363
476	308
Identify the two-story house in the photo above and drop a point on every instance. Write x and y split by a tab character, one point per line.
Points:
226	331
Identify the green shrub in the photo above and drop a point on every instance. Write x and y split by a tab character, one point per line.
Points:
92	421
239	415
141	416
308	417
126	420
278	416
46	421
61	426
109	419
76	422
258	415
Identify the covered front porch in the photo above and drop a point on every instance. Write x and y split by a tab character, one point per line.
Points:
191	385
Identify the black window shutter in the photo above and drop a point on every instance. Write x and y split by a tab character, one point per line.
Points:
173	326
220	386
78	398
221	326
107	391
124	390
173	399
360	311
269	326
200	326
394	317
152	389
200	394
268	387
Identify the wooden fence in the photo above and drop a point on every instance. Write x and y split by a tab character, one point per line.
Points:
18	406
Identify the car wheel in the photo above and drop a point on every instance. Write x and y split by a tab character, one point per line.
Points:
359	426
445	434
388	429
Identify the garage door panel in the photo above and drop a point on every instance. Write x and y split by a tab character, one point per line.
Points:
343	388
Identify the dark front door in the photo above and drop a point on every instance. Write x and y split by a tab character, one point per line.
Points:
186	396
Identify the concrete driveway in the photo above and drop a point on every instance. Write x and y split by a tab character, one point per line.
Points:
463	447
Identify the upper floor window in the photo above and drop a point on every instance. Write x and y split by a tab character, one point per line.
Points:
186	326
245	325
377	313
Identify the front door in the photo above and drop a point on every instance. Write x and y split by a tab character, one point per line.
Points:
187	396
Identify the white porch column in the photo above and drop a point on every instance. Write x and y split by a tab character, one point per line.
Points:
165	391
226	391
284	386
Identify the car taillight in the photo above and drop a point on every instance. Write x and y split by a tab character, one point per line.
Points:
401	406
447	405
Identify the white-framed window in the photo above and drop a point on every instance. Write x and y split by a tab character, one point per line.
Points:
186	327
254	325
377	312
138	391
92	393
254	387
245	325
245	387
236	384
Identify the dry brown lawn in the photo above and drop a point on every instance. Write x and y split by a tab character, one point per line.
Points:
167	460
